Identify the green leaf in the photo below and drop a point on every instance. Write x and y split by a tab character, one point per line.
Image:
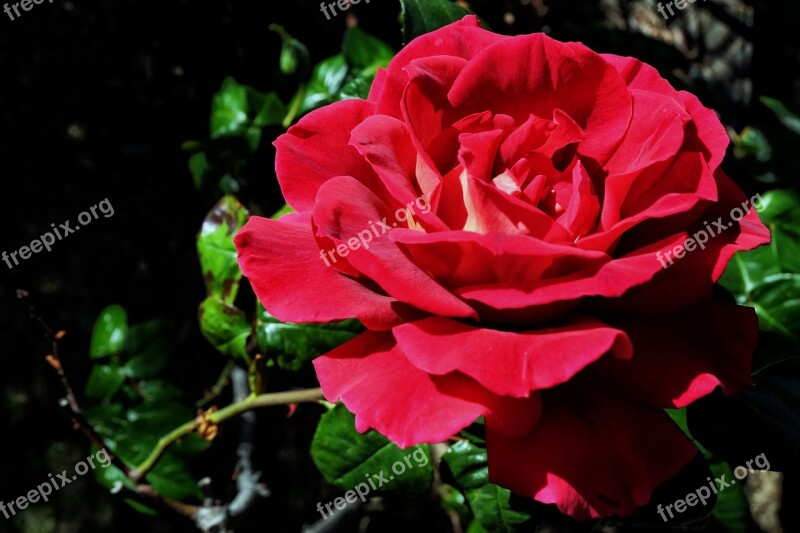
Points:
282	211
468	463
747	269
156	390
229	109
239	110
326	80
200	168
150	421
357	87
108	335
781	212
789	119
752	142
216	250
453	501
111	475
104	380
768	278
364	52
424	16
490	503
294	54
476	527
777	302
171	478
492	509
145	510
105	418
348	458
731	511
225	326
294	345
679	417
148	347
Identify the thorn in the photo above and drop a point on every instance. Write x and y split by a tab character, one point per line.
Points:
53	361
60	335
292	409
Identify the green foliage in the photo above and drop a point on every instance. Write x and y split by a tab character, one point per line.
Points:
109	332
222	323
241	111
787	118
294	345
751	142
294	57
226	327
239	114
424	16
768	278
134	408
348	458
104	380
364	53
490	504
326	79
345	75
216	250
731	510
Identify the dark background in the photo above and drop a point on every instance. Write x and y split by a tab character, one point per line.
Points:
95	101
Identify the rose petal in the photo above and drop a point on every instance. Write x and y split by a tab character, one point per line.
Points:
698	270
510	363
345	210
373	378
282	261
311	152
593	453
462	39
682	356
566	76
706	133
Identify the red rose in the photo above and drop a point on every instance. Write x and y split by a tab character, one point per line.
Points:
498	214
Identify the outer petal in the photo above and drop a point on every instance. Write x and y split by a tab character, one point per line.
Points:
698	270
282	261
509	363
462	39
682	356
317	149
707	133
593	453
373	378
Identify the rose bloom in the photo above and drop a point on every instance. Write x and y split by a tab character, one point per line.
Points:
537	181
